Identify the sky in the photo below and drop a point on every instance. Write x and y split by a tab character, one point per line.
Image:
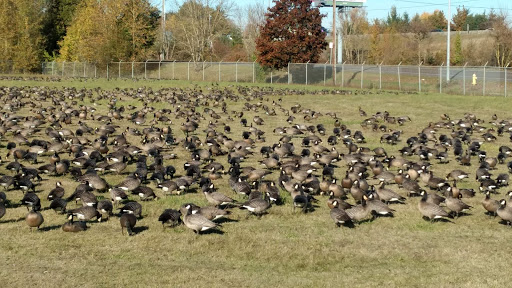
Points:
380	8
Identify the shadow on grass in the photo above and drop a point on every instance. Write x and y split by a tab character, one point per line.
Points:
50	228
225	220
445	220
211	231
13	220
139	229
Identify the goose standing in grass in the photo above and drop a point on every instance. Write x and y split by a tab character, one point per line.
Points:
430	210
34	219
339	216
197	222
170	216
128	222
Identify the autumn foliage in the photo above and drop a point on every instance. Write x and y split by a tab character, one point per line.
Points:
292	34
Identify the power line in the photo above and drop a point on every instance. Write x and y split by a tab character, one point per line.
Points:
430	3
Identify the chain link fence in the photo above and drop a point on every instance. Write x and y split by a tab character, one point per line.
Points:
492	81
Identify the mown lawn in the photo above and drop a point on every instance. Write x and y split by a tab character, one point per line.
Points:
282	249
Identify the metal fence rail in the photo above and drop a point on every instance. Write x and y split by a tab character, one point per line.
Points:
463	80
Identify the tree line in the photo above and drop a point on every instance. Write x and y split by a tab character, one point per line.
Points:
101	31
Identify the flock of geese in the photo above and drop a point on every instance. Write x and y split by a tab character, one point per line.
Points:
189	145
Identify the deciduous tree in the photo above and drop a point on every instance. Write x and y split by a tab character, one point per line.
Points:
292	34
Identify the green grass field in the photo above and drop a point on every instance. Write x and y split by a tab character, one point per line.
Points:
282	249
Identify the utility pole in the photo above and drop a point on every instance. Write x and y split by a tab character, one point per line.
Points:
163	29
334	42
448	42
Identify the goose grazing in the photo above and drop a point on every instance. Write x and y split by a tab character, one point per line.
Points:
128	221
197	222
339	216
170	216
257	206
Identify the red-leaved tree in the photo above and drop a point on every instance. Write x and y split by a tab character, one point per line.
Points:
292	34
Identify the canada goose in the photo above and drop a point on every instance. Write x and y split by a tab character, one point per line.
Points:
505	212
257	206
386	177
145	193
341	204
217	198
300	199
88	199
132	208
105	207
128	221
84	213
455	204
197	222
59	205
7	181
34	219
168	187
490	205
377	206
170	216
71	226
336	190
359	212
116	195
339	216
130	183
411	187
31	200
57	192
457	175
388	195
212	213
272	191
356	191
430	210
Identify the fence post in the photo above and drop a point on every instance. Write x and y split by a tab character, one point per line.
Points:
325	70
399	82
441	78
219	69
287	74
343	74
173	64
159	69
362	74
272	76
63	68
146	69
419	76
484	78
506	78
236	71
107	71
380	75
203	68
119	72
85	65
53	68
132	68
188	70
464	76
74	66
254	71
95	70
307	73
